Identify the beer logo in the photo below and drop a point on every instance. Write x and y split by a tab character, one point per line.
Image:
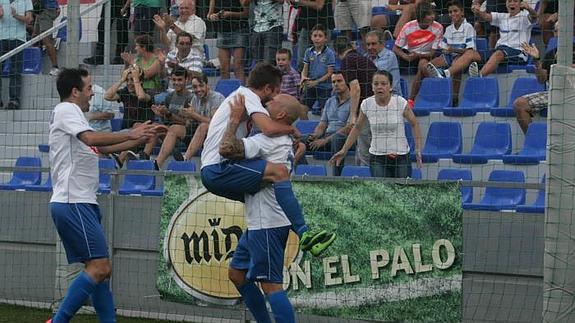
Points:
200	243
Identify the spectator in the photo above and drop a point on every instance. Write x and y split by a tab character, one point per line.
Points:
516	25
350	13
311	13
202	107
383	58
290	77
14	15
183	55
330	133
417	43
186	22
119	13
483	28
407	9
548	14
358	72
101	111
318	64
144	13
231	23
267	34
389	150
148	62
458	47
48	12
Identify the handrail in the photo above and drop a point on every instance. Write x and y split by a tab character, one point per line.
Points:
48	32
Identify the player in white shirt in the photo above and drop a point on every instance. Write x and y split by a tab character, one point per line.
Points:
458	47
259	255
515	28
74	148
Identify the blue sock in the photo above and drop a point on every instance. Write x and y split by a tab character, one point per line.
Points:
104	302
281	307
255	302
289	204
79	291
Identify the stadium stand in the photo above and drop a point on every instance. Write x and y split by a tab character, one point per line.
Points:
497	199
19	178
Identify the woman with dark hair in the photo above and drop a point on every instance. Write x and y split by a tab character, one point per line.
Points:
389	149
146	61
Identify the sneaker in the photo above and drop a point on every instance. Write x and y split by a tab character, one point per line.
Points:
117	159
309	239
177	155
57	42
13	105
433	71
94	60
411	103
474	70
321	246
156	166
54	71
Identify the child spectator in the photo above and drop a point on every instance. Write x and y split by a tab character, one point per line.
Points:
515	28
319	61
290	77
417	42
458	47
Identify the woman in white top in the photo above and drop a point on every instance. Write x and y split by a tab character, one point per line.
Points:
389	150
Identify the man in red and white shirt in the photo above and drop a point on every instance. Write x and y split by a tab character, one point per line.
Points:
417	42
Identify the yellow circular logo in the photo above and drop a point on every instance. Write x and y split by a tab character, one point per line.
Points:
200	242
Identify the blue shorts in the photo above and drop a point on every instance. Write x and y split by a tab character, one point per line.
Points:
80	229
234	179
512	56
261	254
449	58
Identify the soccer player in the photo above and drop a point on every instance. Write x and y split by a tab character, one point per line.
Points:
233	179
259	255
74	148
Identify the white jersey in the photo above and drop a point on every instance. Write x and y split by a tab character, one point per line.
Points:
513	30
219	123
262	209
74	165
461	38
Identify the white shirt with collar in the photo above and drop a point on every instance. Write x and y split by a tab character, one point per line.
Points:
194	26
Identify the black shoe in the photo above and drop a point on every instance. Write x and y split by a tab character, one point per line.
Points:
13	105
94	60
177	155
156	166
117	61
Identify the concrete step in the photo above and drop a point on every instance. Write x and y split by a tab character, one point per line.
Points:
39	85
38	103
25	115
18	140
23	127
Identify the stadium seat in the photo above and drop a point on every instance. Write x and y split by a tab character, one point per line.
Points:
62	33
181	166
416	173
480	94
496	198
356	171
105	179
20	179
226	87
410	139
44	187
116	124
492	141
456	175
538	206
534	147
521	86
6	67
32	60
404	88
306	127
209	71
389	44
311	170
443	140
434	95
135	184
482	45
44	148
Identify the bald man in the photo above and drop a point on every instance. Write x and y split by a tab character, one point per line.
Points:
186	22
259	256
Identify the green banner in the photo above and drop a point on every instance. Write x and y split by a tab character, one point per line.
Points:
397	255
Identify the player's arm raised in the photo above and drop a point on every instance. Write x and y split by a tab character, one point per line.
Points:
94	138
231	147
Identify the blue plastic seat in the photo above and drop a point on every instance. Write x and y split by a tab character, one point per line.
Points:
356	171
492	141
482	46
404	88
226	87
521	86
62	33
306	127
410	138
534	148
44	148
44	187
456	175
104	178
311	170
480	94
443	140
181	166
6	67
116	124
416	173
496	198
32	60
538	206
434	95
135	184
20	179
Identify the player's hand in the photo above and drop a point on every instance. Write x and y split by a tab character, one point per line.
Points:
530	50
145	129
337	157
238	109
160	129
